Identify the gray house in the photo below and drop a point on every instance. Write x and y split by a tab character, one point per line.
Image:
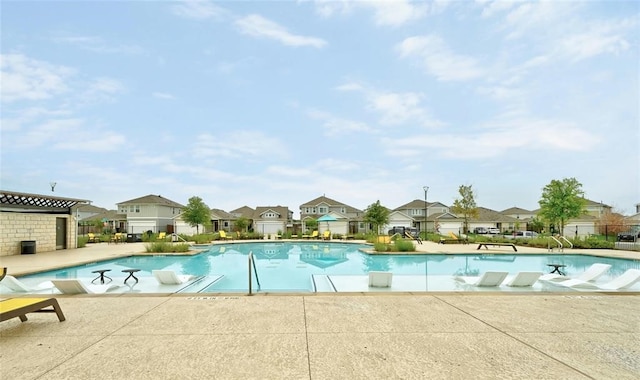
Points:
150	213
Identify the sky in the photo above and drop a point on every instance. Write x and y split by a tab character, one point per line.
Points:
267	103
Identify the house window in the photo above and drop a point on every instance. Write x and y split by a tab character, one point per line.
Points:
270	215
343	210
137	208
131	208
313	210
323	210
361	225
226	224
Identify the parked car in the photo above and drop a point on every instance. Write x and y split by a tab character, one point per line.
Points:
526	234
494	231
401	230
480	230
628	236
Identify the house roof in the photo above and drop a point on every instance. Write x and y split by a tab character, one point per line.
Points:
106	214
331	203
244	211
221	214
488	215
593	203
416	204
516	210
152	199
283	211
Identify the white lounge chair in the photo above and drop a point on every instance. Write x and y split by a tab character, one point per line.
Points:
380	279
169	277
624	281
72	286
591	274
18	286
524	279
487	279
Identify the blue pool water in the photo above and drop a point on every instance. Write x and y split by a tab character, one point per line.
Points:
288	266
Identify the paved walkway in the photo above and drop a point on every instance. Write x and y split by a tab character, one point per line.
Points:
373	336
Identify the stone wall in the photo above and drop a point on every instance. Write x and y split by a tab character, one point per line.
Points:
16	227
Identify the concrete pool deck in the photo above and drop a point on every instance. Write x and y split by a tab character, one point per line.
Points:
338	336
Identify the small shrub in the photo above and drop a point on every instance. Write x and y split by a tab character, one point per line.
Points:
381	247
404	245
166	247
82	241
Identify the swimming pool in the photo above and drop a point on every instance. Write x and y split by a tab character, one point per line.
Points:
290	267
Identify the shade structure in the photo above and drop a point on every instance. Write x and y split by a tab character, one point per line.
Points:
327	218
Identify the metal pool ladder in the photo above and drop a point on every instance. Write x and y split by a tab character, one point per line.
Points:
252	263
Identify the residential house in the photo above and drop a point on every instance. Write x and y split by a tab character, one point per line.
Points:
34	222
150	213
634	219
271	220
397	219
596	209
244	212
110	219
222	220
349	220
423	215
521	215
488	218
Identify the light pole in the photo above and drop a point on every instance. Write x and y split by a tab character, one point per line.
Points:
426	210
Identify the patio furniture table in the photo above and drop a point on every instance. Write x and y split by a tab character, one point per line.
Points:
101	275
556	268
131	274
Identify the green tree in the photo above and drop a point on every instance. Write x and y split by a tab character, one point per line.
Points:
561	201
378	215
241	224
196	213
465	205
535	224
311	224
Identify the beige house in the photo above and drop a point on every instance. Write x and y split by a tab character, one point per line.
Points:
244	212
423	214
149	213
31	223
271	220
349	219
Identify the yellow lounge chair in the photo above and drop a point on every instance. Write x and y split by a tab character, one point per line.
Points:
314	235
19	307
162	235
92	238
224	236
326	235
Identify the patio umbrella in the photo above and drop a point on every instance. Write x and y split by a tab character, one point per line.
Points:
327	218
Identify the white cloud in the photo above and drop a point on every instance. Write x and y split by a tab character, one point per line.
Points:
258	26
334	126
385	13
395	108
397	12
163	95
249	145
97	45
24	78
198	10
70	134
502	138
600	38
438	60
